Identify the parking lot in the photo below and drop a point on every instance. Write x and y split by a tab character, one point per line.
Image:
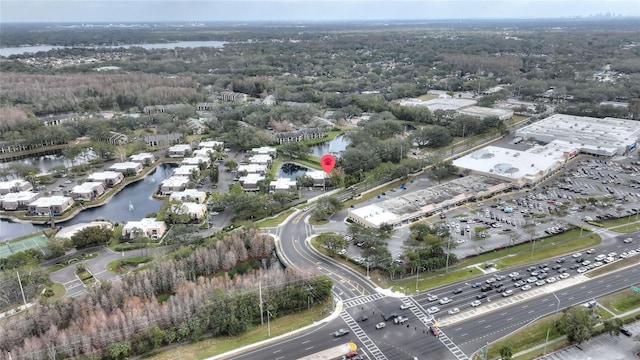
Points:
589	189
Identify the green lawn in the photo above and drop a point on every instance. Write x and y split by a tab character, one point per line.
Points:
211	347
621	301
121	266
275	221
435	279
611	267
525	338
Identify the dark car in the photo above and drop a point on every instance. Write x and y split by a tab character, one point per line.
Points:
486	288
457	291
475	285
517	278
388	317
626	332
497	285
481	296
499	290
363	318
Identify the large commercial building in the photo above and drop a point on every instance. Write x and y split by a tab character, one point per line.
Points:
416	205
594	136
519	168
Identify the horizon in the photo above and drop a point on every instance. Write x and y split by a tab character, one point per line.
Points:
240	11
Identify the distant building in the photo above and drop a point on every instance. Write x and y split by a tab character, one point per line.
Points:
18	200
300	135
265	160
196	127
160	109
12	186
189	195
179	150
232	96
205	106
173	184
203	153
145	159
45	206
109	178
116	138
270	100
88	191
147	227
59	119
485	112
163	140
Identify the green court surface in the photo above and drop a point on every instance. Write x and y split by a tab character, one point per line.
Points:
9	248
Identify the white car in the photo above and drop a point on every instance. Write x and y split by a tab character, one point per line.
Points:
380	325
540	282
453	311
342	251
507	293
564	275
525	288
476	303
514	274
404	306
445	300
613	254
627	240
582	270
577	255
433	310
551	280
432	298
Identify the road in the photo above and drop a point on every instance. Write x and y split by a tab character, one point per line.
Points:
464	333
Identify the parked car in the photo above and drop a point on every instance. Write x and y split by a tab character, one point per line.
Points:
626	332
388	317
475	303
453	311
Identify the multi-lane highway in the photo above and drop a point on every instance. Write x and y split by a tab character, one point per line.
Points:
463	333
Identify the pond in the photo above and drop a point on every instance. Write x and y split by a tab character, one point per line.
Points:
132	203
334	147
291	171
46	163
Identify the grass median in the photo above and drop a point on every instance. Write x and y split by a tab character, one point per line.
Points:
621	301
216	346
275	221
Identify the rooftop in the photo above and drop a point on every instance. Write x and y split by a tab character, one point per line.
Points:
103	175
443	103
86	187
180	147
252	178
146	223
211	144
317	174
175	181
141	156
50	201
283	183
17	196
125	165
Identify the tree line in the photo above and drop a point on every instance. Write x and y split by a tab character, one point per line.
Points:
180	299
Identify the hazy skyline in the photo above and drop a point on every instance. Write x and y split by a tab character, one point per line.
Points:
303	10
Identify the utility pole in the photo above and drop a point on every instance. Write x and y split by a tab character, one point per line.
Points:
24	299
261	304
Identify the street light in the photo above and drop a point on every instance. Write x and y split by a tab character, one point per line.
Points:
549	329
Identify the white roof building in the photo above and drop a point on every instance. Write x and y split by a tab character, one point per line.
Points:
605	137
14	186
485	112
317	175
265	150
250	181
519	167
128	165
143	158
192	195
444	103
186	170
203	153
196	161
211	144
282	184
261	159
252	169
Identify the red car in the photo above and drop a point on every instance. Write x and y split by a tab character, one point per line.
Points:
434	330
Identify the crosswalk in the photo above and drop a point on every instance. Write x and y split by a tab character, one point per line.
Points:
366	341
427	320
360	300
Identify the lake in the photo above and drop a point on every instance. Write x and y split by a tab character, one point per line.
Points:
134	202
334	147
291	171
46	163
8	51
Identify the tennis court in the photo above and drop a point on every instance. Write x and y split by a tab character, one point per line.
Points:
9	248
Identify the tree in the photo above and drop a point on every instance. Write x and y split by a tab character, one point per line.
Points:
326	206
442	170
612	326
119	350
91	236
432	136
506	352
332	242
231	165
295	149
576	323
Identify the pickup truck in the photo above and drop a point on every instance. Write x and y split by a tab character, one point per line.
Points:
400	319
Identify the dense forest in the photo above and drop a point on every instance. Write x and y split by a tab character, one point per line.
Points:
199	298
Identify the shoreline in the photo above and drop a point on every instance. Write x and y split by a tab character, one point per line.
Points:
81	207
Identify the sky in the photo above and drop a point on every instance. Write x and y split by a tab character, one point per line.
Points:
65	11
